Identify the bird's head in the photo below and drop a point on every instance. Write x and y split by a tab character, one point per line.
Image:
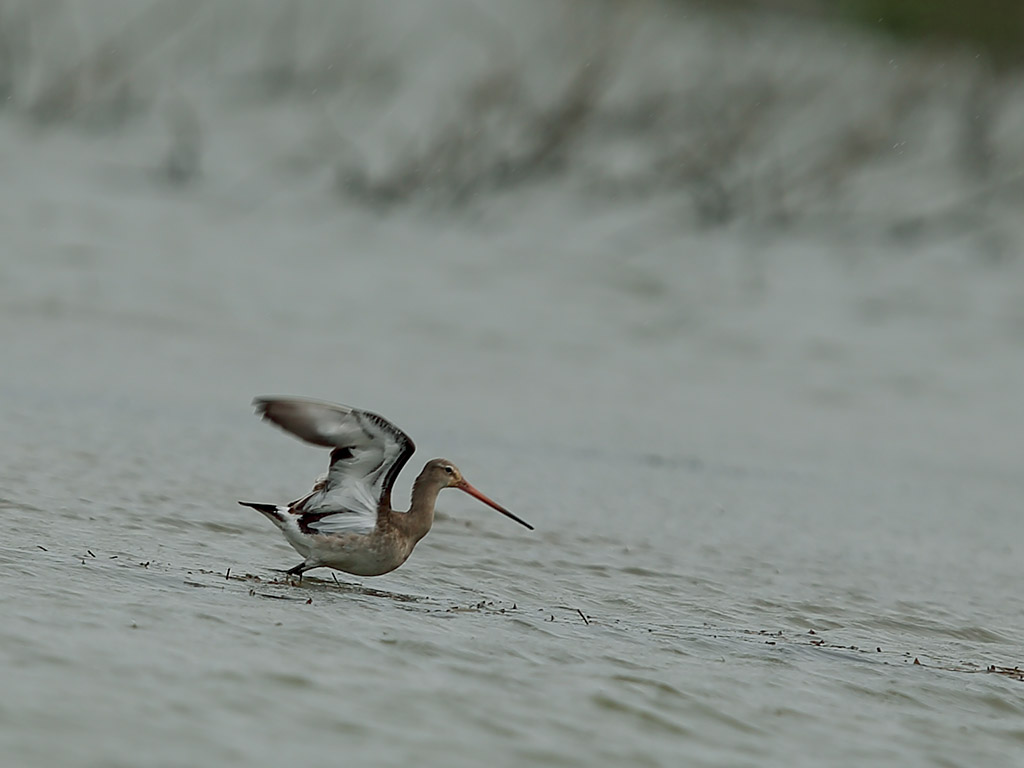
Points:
447	475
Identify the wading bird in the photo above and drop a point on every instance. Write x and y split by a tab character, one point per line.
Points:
346	522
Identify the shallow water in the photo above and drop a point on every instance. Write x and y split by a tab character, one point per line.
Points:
726	568
776	484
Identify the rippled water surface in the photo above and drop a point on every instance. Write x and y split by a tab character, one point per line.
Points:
776	485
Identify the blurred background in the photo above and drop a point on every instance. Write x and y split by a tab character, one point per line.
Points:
774	113
726	297
819	199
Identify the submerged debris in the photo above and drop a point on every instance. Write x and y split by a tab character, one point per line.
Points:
1015	673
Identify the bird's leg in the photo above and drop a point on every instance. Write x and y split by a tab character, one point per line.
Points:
298	570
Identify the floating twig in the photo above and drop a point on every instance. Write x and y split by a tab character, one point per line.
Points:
197	584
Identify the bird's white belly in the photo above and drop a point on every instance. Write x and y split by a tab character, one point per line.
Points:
358	554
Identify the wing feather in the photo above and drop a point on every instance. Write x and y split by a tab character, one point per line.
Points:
368	453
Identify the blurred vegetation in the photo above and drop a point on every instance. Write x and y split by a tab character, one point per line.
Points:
994	26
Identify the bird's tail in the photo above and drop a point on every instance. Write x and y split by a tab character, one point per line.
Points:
273	512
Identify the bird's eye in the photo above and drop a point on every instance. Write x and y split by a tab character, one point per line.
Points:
448	469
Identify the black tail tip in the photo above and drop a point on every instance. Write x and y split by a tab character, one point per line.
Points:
258	506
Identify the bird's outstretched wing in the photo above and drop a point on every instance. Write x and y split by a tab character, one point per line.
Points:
368	452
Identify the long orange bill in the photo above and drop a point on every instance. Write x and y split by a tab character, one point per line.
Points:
489	502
